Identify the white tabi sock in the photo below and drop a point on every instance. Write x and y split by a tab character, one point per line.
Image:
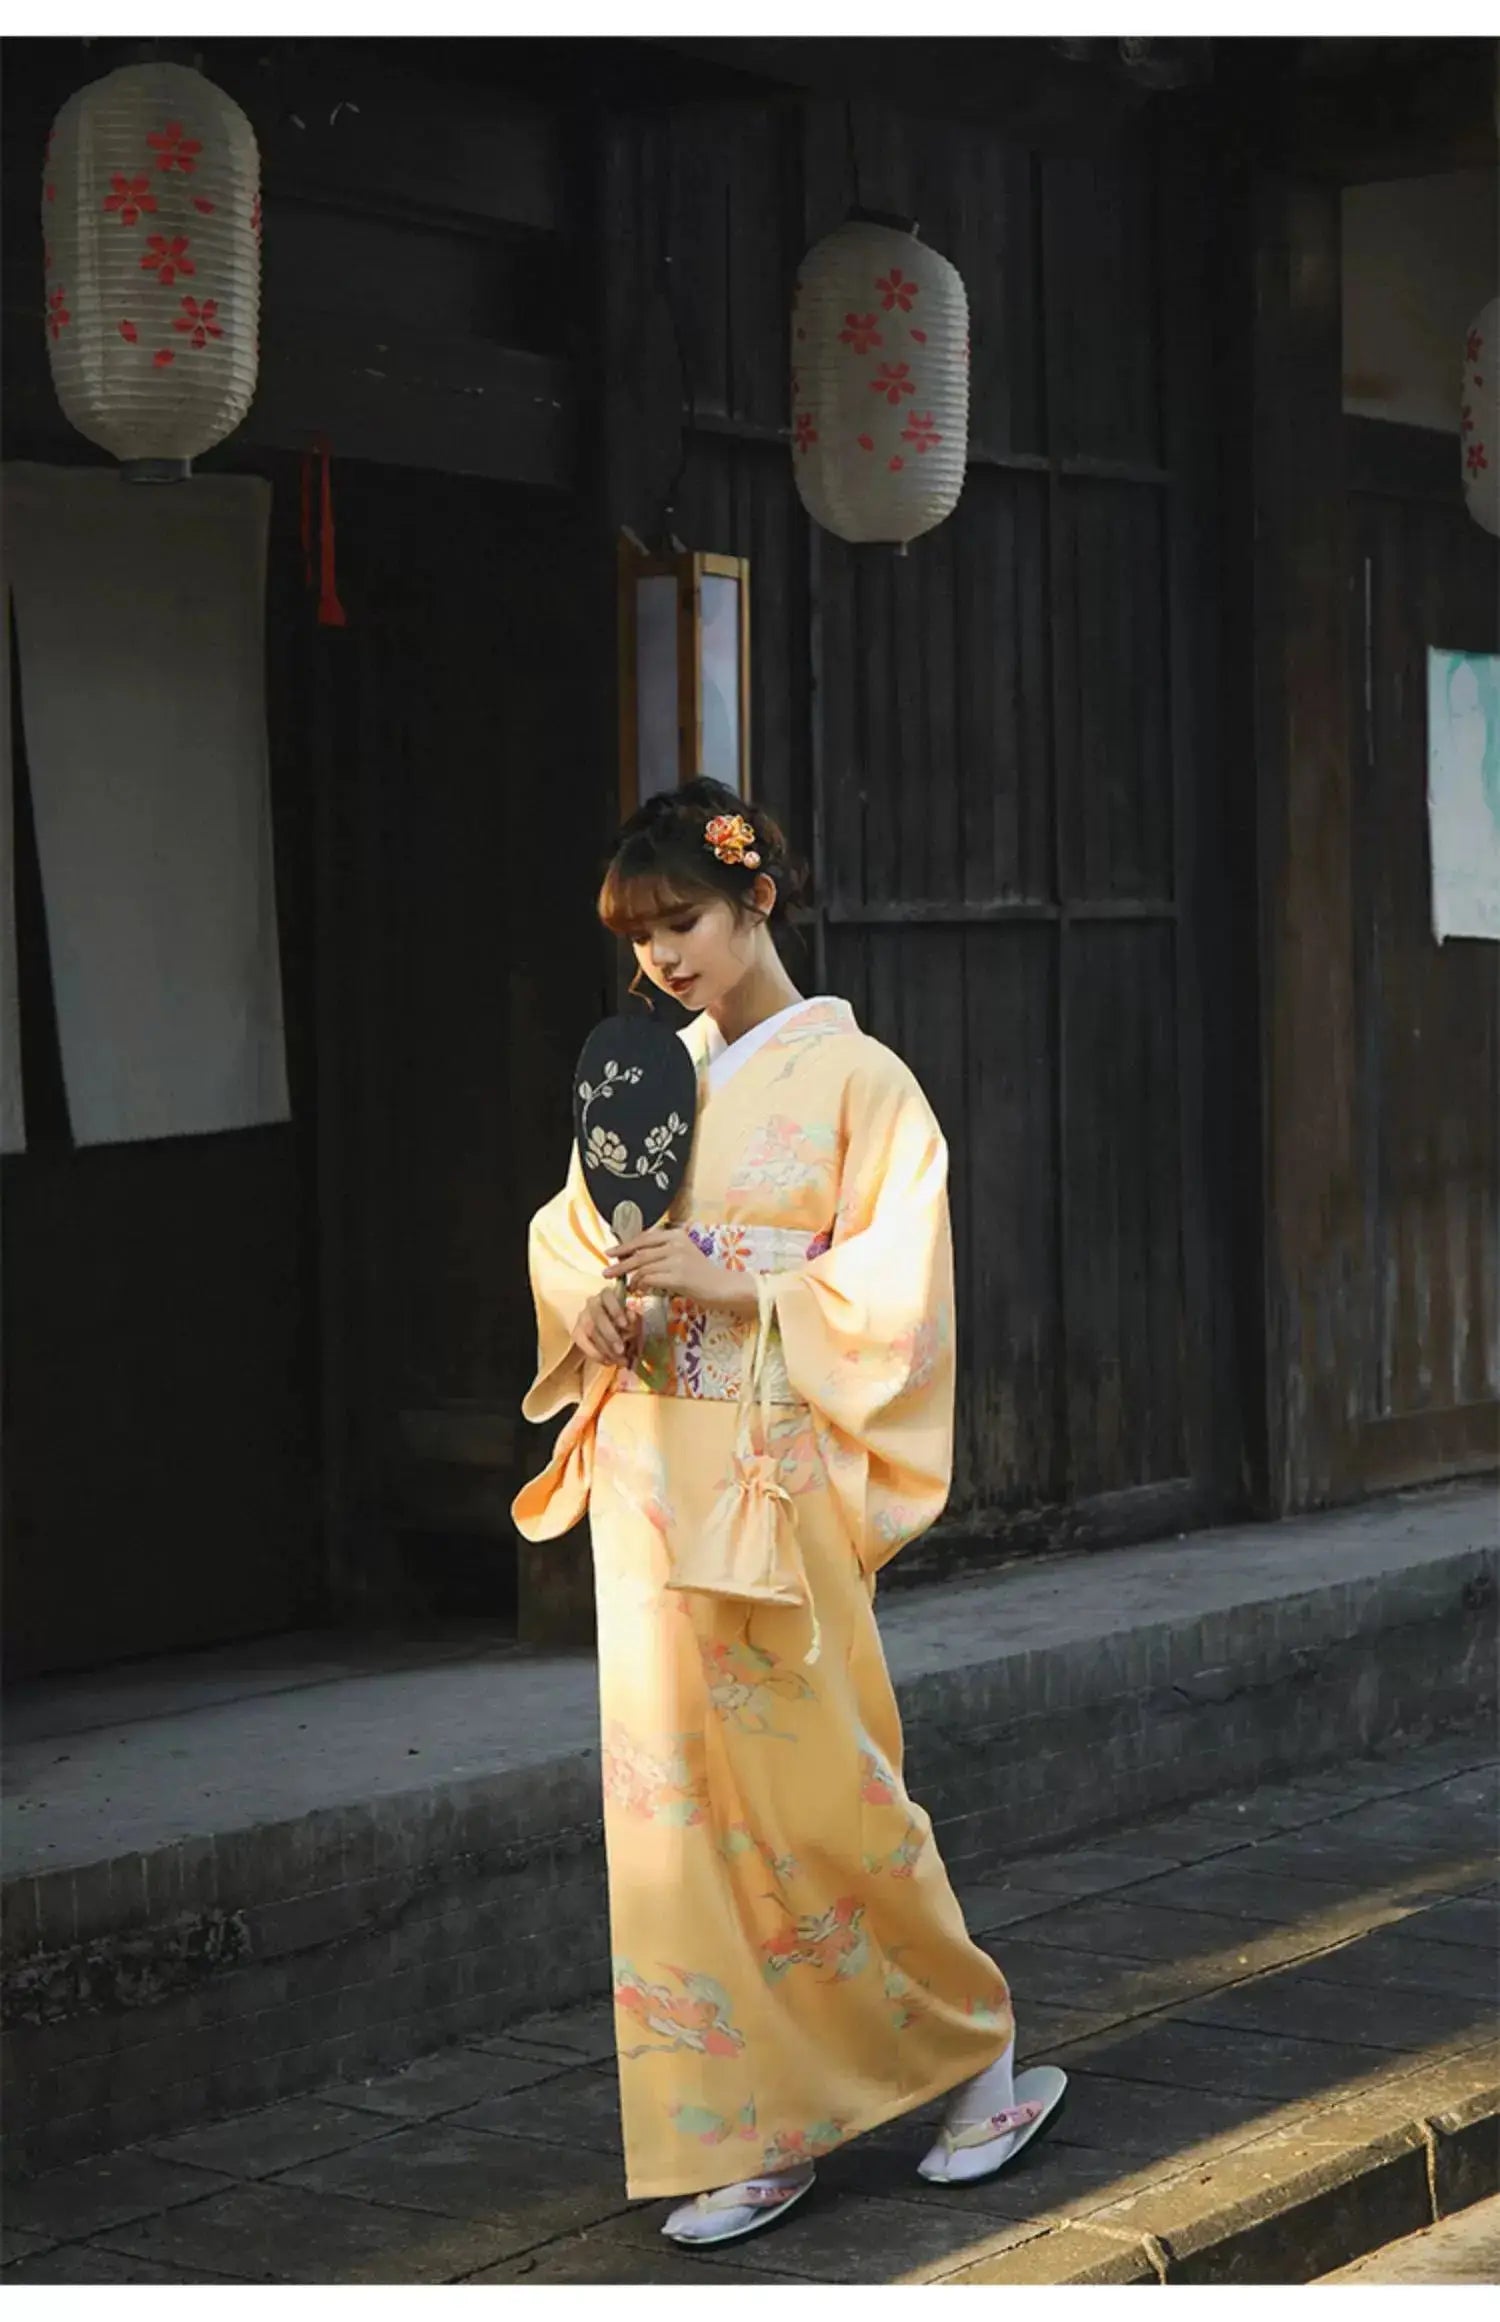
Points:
991	2091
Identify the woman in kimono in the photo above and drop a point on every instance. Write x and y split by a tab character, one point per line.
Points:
762	1422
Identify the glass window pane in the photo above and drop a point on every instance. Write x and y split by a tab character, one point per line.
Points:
720	602
656	697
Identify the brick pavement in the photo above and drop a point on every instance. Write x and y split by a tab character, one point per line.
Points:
1246	1994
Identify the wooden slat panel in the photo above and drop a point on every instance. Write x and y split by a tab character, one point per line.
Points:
936	707
1119	793
1005	743
1126	1325
1008	1453
727	229
1100	289
971	1012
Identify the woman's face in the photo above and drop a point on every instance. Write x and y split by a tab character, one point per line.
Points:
699	953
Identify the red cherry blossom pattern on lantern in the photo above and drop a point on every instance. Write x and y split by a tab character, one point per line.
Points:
804	432
128	331
255	215
58	317
860	333
198	321
897	464
1474	459
203	206
174	149
865	442
128	198
919	336
920	432
1466	419
1472	346
164	356
897	290
165	258
893	380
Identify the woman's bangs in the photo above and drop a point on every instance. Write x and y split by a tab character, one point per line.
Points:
631	901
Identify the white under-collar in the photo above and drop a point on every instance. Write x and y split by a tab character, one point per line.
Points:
726	1057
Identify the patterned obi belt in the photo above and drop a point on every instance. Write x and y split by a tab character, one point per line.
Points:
700	1351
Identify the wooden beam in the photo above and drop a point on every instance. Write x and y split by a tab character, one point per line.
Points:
1416	107
1020	87
1301	736
459	406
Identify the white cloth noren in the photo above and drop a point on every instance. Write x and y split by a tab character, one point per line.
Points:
140	619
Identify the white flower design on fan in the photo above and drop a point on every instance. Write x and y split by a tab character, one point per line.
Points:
605	1150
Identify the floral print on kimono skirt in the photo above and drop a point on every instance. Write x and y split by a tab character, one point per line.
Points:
791	1966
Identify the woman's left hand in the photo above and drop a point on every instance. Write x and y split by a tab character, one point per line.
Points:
667	1263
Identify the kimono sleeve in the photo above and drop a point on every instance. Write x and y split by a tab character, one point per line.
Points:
567	1253
867	1329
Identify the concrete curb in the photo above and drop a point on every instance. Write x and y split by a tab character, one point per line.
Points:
1286	2208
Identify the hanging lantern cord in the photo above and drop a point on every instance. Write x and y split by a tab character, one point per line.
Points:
687	409
851	140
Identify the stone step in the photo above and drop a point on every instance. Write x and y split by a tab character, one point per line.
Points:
1272	2071
230	1880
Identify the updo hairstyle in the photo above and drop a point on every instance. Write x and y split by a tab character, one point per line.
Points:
663	864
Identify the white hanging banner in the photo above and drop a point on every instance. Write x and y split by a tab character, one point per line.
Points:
1463	792
140	636
12	1108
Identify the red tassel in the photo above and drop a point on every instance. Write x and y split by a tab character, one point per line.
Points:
331	614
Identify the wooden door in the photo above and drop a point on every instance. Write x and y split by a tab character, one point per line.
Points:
997	749
1427	1017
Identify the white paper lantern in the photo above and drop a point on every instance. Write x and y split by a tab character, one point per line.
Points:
880	383
151	228
1479	419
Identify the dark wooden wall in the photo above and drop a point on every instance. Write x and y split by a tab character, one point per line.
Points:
262	1379
1377	1050
447	736
1427	1017
998	750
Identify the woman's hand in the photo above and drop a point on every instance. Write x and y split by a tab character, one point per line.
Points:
606	1331
667	1263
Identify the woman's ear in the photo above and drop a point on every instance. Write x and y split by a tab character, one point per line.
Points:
763	894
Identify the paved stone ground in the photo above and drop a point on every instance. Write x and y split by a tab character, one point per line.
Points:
1223	1984
1465	2248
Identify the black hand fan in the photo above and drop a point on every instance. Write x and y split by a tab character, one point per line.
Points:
635	1095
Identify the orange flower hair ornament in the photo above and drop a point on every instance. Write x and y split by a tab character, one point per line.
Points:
732	839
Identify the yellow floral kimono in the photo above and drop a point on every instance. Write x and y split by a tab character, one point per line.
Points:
790	1965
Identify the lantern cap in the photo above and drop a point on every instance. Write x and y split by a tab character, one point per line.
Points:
890	218
155	471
